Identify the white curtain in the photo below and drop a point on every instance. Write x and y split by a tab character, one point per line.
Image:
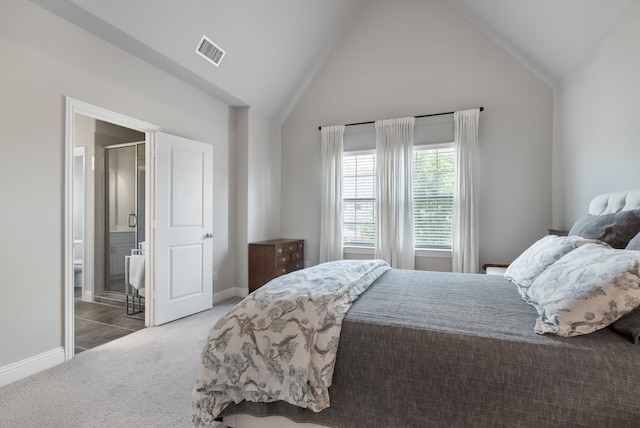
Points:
464	245
394	209
331	203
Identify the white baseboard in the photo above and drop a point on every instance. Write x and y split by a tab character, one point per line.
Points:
30	366
229	293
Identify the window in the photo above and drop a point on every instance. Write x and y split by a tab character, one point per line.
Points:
433	187
359	198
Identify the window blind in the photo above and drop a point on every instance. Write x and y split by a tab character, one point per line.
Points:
433	188
359	196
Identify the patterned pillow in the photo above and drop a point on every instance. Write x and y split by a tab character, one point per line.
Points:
586	290
629	325
535	259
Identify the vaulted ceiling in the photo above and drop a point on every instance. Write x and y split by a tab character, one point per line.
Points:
273	48
548	36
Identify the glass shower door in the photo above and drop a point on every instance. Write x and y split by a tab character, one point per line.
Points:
124	209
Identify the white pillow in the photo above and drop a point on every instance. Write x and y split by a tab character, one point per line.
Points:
586	290
542	254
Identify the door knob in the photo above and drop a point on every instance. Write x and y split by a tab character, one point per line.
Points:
209	235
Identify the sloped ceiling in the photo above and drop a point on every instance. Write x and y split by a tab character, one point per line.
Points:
550	37
275	47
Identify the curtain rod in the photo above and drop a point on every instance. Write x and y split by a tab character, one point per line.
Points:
423	115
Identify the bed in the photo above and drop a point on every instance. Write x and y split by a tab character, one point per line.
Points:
429	349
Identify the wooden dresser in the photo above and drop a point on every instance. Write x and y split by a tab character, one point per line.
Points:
270	259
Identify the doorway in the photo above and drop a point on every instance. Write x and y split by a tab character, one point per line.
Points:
109	214
93	311
178	204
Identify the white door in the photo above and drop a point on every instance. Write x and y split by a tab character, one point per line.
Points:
184	241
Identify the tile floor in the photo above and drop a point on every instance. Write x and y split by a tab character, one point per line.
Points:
97	323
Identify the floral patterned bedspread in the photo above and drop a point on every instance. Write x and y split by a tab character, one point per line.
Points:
280	342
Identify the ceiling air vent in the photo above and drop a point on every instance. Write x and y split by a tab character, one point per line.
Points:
210	51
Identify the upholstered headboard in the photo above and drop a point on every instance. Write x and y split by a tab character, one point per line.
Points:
613	202
606	203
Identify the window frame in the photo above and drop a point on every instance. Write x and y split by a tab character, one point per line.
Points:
351	153
367	249
437	146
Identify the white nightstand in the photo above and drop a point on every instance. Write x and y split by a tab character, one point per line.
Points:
494	269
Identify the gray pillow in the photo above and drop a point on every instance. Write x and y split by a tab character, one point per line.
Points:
634	244
629	325
615	229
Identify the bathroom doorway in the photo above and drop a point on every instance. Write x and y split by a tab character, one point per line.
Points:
112	220
178	176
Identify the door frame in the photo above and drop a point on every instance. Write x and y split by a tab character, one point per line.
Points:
80	151
73	107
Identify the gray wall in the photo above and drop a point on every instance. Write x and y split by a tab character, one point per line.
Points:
414	57
421	57
45	59
258	185
598	147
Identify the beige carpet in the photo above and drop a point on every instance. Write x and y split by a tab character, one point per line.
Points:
141	380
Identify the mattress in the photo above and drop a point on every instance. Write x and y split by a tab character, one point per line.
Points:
430	349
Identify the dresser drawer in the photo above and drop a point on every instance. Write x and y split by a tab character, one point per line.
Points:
290	248
296	256
282	270
283	260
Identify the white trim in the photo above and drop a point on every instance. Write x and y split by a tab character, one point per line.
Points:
120	145
105	115
69	342
150	222
74	107
30	366
80	151
434	146
359	152
434	253
223	295
346	249
421	146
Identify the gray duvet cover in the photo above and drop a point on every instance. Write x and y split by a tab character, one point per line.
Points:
428	349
